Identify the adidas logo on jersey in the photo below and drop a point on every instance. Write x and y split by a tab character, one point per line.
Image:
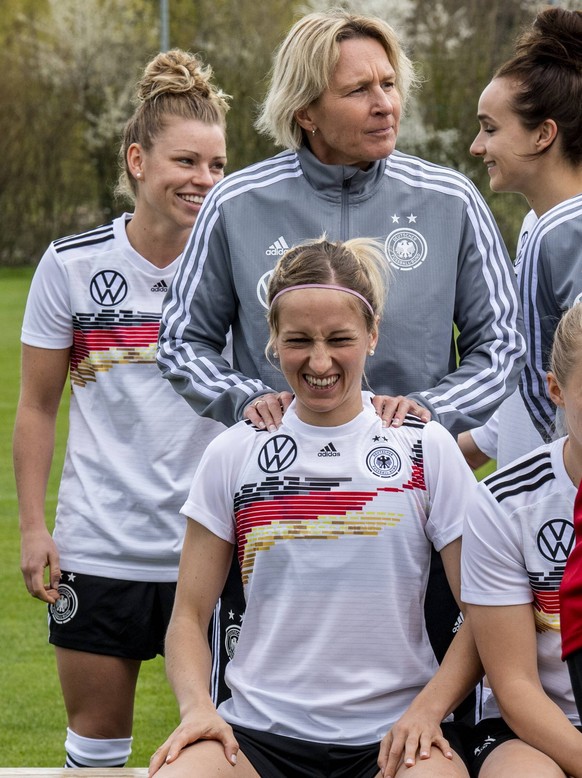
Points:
278	248
329	451
161	286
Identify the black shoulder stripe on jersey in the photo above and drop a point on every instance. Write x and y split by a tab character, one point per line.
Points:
525	477
413	421
102	228
105	230
513	489
82	243
249	423
519	468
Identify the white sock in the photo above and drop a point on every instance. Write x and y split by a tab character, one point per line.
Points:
93	752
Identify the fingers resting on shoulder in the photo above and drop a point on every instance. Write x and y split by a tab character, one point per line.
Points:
392	410
266	412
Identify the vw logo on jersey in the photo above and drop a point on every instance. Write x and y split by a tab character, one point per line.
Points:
231	639
108	287
406	249
556	540
277	454
263	288
66	606
384	461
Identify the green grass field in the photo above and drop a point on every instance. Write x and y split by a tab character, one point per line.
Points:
32	717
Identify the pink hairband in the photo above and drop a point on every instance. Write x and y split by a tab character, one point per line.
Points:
324	286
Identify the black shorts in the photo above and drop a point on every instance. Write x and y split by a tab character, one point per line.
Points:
442	618
225	628
275	756
486	736
108	616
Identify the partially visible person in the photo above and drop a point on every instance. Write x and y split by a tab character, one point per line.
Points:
531	142
516	541
338	88
334	517
571	599
509	432
93	311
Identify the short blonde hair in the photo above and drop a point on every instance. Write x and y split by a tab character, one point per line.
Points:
305	62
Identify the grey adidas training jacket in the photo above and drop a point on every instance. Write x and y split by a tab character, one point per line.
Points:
448	264
550	281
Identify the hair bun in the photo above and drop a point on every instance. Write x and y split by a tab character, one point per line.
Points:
555	37
176	72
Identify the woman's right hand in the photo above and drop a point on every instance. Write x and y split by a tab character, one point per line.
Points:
207	725
268	409
39	551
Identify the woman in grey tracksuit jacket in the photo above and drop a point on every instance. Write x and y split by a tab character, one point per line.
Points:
341	176
449	265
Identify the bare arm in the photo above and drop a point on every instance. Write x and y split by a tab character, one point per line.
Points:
474	457
419	727
204	565
506	637
44	372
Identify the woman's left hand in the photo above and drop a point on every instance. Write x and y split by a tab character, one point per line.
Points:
413	735
392	410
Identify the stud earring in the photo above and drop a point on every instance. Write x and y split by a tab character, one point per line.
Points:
275	355
371	352
313	130
138	175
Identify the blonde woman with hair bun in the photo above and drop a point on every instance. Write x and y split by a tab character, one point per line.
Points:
109	570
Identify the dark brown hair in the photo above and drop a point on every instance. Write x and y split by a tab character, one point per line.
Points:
547	68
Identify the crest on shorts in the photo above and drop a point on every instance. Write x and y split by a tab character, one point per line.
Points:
384	462
406	249
231	636
66	606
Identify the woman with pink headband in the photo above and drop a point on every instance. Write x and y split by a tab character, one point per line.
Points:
334	517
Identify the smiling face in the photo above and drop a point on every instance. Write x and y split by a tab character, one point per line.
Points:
187	158
503	142
357	117
322	344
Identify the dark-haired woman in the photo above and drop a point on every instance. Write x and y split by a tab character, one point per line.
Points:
93	311
531	142
519	533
